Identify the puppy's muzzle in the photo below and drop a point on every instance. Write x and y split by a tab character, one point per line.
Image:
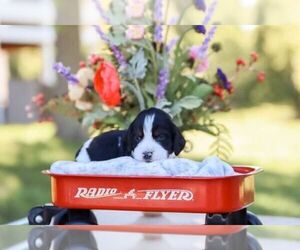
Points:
147	156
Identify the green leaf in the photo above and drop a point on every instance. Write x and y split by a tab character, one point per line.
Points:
164	105
117	15
175	110
114	120
117	38
150	88
138	65
190	102
191	77
178	121
202	90
98	114
187	102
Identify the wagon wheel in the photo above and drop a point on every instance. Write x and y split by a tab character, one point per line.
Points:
237	241
252	219
36	216
217	219
41	238
216	242
75	217
42	215
234	218
234	241
253	243
83	240
240	217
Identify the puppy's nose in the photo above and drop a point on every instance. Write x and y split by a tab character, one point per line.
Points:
147	155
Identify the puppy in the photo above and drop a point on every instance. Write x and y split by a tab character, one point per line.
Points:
152	136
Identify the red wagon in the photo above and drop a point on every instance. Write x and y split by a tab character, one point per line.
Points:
223	199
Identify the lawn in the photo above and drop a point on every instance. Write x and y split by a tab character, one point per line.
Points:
267	136
25	150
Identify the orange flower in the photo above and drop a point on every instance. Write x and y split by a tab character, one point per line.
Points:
218	91
240	62
261	76
107	84
254	56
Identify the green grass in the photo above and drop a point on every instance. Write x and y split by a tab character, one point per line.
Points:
265	136
276	232
25	151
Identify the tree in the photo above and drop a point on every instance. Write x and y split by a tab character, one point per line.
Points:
68	51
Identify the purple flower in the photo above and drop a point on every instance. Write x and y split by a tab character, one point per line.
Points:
171	44
158	33
158	11
210	11
203	50
116	51
194	52
102	35
65	72
163	81
101	10
158	18
200	4
119	56
223	79
200	29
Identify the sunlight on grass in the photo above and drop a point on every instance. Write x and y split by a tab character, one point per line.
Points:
266	136
28	134
276	232
268	203
9	184
14	138
25	151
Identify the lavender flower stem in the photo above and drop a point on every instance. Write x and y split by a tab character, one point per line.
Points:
101	10
65	72
163	81
101	34
210	11
205	45
171	44
116	51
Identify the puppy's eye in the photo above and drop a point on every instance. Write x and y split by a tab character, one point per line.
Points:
160	137
138	138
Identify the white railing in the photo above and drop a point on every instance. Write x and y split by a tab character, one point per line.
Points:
41	12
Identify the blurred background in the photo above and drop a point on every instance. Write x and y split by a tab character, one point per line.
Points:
264	122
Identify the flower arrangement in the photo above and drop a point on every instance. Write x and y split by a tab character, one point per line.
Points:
144	67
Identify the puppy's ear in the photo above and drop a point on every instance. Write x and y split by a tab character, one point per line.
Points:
127	142
178	141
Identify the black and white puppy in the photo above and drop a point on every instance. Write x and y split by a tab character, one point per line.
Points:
152	136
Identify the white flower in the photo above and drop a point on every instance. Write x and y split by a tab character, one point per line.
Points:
84	106
84	75
75	91
135	32
135	8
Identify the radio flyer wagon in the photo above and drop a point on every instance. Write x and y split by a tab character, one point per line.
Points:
224	200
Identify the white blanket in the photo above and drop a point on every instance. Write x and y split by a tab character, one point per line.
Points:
127	166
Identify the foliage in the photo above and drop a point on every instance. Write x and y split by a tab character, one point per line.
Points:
222	147
144	67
